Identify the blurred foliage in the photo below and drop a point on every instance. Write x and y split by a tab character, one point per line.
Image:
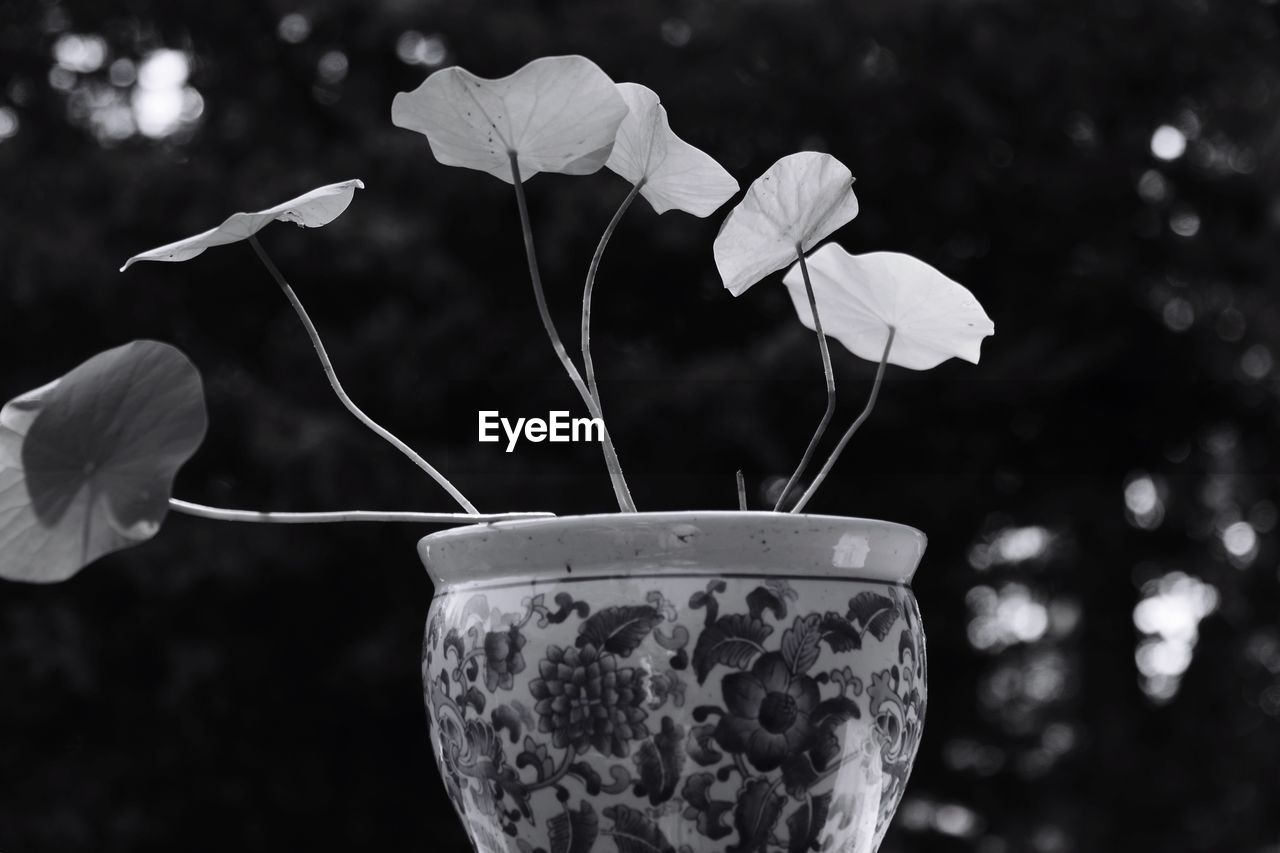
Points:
1101	591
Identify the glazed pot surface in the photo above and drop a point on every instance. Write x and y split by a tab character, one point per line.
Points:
675	682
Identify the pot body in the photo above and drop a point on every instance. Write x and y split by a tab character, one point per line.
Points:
675	682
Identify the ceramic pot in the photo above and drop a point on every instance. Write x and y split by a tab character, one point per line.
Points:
675	682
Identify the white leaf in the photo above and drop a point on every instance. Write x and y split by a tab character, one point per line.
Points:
318	207
860	296
87	462
800	200
557	114
675	174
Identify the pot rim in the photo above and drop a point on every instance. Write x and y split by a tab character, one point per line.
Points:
714	543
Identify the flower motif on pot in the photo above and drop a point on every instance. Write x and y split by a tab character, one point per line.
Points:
502	658
769	712
753	718
479	751
586	700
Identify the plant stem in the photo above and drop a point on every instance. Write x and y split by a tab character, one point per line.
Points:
831	386
844	439
86	532
558	774
220	514
587	364
337	386
742	491
620	490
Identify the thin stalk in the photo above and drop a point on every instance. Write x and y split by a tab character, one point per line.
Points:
337	386
558	774
742	491
620	490
587	364
831	385
86	534
844	439
220	514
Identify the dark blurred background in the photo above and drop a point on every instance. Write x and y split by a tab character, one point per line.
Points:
1101	590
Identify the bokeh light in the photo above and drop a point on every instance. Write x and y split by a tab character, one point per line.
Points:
1011	545
1143	502
1168	617
1001	617
162	102
1168	143
294	28
8	123
1241	542
414	48
82	54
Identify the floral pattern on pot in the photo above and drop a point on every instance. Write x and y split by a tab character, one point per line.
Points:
686	715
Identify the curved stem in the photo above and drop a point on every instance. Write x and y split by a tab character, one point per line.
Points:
831	386
834	769
220	514
587	364
86	533
337	386
560	773
844	439
620	490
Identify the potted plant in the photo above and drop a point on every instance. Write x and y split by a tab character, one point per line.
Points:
654	682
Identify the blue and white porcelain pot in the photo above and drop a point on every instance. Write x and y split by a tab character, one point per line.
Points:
675	682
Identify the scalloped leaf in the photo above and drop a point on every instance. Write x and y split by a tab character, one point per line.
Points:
556	114
675	174
87	462
734	640
309	210
860	296
574	832
873	612
619	630
839	633
756	815
801	644
661	762
798	201
635	833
